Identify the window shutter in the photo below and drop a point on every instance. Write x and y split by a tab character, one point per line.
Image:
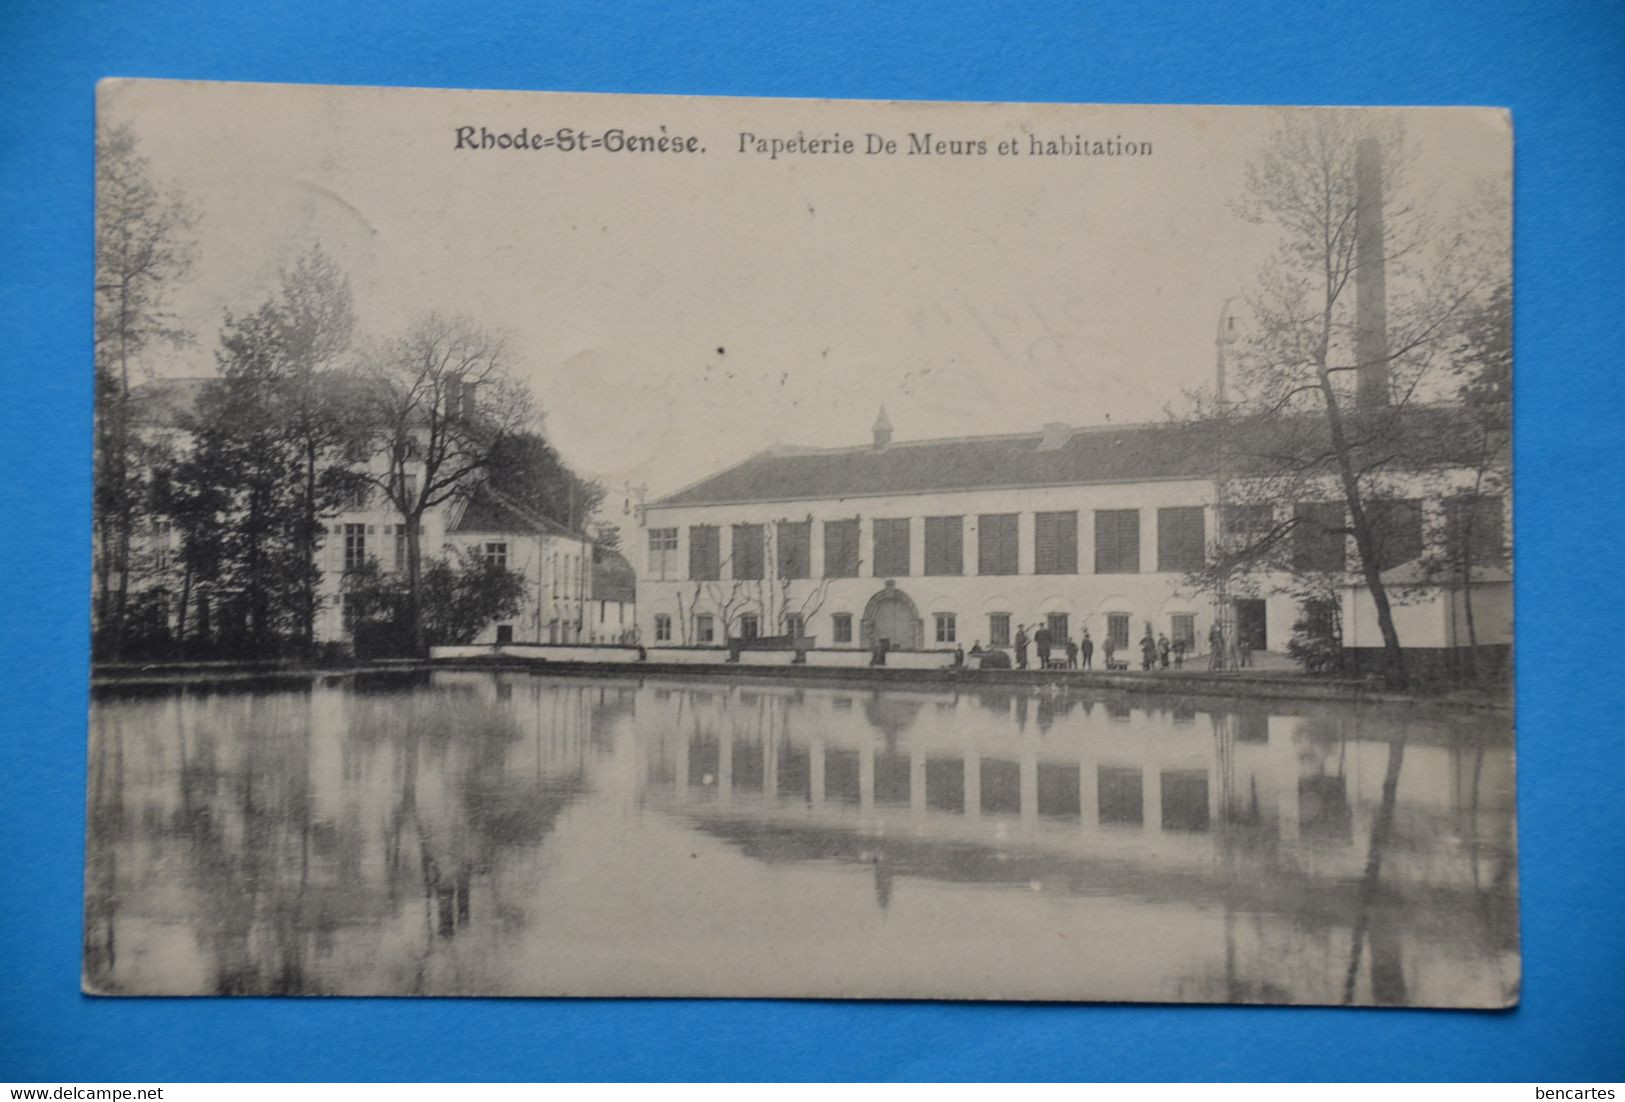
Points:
1117	541
945	545
704	552
840	548
1055	543
747	552
997	548
1181	539
891	548
795	548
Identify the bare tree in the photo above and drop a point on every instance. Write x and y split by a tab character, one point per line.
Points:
144	249
1351	323
314	308
1473	522
441	404
729	603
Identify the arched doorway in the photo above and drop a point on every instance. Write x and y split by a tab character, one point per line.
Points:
892	616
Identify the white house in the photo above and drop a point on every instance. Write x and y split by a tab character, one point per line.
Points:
573	591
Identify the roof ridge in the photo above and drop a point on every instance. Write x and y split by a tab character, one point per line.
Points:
730	468
782	450
526	513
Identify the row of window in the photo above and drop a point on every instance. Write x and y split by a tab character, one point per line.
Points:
358	536
1183	800
945	628
749	626
1317	540
1117	546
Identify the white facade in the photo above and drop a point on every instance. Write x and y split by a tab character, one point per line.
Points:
1433	616
965	607
559	605
1086	597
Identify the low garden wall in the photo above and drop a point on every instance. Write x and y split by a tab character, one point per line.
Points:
691	656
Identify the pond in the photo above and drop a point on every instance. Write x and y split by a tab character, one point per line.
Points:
501	833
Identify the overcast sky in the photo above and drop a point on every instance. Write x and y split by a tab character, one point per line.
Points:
675	313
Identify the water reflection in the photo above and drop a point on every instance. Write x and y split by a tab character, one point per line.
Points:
469	832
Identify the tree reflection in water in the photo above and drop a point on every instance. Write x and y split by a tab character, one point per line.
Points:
470	832
305	824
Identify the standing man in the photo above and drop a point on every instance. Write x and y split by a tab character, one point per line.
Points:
1041	640
1087	650
1071	654
1215	644
1164	649
1021	647
1148	649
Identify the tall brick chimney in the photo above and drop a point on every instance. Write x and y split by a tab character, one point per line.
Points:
1370	290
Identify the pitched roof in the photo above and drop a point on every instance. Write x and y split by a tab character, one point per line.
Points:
1105	454
488	510
1057	456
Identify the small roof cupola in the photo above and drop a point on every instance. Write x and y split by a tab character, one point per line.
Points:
882	430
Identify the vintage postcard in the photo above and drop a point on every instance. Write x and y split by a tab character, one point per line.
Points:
555	544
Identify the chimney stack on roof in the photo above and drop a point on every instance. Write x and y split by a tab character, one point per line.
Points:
882	430
1370	279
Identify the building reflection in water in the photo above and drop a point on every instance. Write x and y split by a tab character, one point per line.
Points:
404	835
1347	855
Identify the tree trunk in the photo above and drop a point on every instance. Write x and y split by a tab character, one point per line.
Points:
254	616
103	607
121	598
414	578
123	514
1395	673
1468	523
1370	565
205	626
180	614
307	549
119	566
1467	610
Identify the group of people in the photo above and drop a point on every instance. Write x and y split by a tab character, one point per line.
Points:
1156	651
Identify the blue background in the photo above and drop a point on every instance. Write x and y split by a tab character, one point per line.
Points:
1561	68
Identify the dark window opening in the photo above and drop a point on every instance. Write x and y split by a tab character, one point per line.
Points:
1001	787
998	547
840	549
704	553
748	552
945	784
1181	539
795	548
891	548
944	545
1055	543
1058	790
1122	796
1117	541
